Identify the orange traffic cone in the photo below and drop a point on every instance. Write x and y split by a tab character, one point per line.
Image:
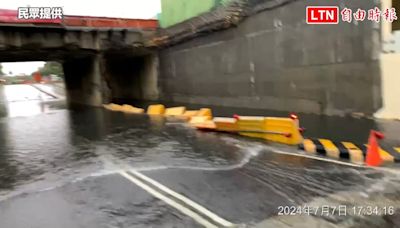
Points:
373	156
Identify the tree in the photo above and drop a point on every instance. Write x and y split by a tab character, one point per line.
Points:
1	70
52	68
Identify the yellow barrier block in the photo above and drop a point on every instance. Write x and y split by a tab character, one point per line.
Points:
187	115
199	119
330	148
281	130
113	107
131	109
309	146
107	106
175	111
397	149
190	113
287	128
226	124
386	156
206	125
356	154
251	123
158	109
204	112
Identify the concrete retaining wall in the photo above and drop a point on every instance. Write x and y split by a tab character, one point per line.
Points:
274	60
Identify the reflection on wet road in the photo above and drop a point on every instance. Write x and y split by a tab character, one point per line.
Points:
61	168
26	100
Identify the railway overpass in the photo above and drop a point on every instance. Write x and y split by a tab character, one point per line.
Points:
103	58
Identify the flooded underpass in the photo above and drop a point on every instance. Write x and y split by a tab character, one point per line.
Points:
91	167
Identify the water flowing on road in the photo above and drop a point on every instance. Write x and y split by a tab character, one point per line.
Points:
57	164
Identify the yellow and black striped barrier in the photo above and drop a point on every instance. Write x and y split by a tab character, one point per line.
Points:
347	150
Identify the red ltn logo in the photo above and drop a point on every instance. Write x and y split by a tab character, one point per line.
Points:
322	15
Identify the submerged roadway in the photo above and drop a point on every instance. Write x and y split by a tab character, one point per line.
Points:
95	168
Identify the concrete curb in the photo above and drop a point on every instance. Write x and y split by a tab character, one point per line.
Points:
347	150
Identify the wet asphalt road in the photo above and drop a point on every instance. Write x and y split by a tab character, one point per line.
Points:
60	168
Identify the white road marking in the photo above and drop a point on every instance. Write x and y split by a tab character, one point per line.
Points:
140	180
316	158
169	201
183	198
44	91
111	163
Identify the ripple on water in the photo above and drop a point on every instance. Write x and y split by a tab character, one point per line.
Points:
174	145
51	147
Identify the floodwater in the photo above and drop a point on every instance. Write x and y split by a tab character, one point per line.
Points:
59	168
27	100
338	128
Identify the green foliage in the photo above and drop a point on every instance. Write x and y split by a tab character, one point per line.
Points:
52	68
18	79
175	11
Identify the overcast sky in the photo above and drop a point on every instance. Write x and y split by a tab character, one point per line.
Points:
143	9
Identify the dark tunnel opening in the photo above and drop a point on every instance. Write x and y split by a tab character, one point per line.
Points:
124	77
131	78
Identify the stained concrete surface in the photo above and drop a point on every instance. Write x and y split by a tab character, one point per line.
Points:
27	43
274	60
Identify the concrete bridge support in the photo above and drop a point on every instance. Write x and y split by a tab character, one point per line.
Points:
97	79
100	64
83	80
